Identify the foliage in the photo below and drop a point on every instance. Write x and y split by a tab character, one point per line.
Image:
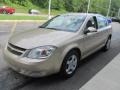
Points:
98	6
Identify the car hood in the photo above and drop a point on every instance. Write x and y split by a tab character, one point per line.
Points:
35	38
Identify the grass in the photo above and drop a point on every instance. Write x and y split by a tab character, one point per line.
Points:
15	17
23	9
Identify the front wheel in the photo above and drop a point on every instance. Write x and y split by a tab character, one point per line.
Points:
70	64
4	12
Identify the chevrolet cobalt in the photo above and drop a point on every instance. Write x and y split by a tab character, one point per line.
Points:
58	45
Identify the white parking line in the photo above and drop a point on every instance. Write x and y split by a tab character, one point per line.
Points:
107	79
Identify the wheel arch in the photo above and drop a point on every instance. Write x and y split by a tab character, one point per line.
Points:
71	48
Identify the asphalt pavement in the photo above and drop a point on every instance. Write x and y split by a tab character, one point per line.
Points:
10	80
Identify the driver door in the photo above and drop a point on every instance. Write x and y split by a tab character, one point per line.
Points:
91	39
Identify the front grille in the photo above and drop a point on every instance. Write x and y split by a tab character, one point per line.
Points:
15	49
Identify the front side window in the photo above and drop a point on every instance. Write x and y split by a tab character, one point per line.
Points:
70	23
102	22
91	23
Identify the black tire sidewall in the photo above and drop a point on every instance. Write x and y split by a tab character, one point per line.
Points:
105	47
63	72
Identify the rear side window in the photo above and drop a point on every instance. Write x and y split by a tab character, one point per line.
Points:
102	22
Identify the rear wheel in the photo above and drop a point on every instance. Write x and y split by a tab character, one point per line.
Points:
107	45
70	64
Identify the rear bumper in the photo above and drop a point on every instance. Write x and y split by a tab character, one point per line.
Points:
11	11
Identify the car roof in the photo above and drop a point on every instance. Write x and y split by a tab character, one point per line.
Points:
86	14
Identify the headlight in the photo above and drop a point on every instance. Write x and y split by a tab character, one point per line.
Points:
40	52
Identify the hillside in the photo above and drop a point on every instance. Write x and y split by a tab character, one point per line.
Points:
22	6
61	6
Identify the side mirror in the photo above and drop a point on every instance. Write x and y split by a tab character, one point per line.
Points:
90	30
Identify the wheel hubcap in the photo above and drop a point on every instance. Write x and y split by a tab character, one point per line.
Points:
71	64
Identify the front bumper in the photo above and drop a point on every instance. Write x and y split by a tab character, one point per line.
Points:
32	67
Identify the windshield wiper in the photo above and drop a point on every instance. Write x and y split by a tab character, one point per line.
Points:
47	28
52	28
41	27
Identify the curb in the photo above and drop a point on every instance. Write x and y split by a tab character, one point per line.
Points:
3	31
107	79
22	20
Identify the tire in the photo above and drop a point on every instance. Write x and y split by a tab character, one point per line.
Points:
70	64
4	12
11	13
107	45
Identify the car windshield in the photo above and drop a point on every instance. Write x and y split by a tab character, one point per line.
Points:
65	23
